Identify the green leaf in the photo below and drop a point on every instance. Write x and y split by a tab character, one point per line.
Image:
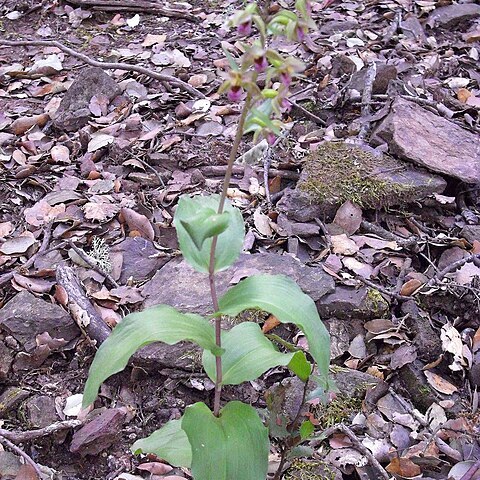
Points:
282	297
169	443
161	323
204	224
230	240
248	354
306	429
233	446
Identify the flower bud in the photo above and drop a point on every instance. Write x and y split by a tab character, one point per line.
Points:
286	79
300	33
260	64
245	28
270	137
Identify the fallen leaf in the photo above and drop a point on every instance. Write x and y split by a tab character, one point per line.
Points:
403	467
42	212
270	323
6	228
410	286
262	223
343	245
156	468
17	245
139	223
439	383
348	217
60	154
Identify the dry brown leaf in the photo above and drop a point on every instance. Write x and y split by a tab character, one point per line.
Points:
410	286
439	383
262	223
17	245
21	125
60	154
6	228
270	323
343	245
156	468
42	212
403	467
99	211
140	223
348	217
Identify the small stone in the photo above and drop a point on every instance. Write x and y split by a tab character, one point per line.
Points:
140	259
384	74
9	465
346	303
422	137
10	398
471	233
6	359
41	411
353	383
26	316
73	112
99	433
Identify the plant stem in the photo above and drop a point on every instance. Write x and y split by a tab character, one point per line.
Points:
211	266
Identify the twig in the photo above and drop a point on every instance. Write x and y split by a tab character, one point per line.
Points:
137	6
93	264
147	165
308	114
401	276
357	444
393	28
47	235
381	232
385	291
367	100
471	471
219	170
105	65
323	228
27	457
20	437
452	267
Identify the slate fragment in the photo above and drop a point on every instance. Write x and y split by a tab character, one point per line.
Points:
99	433
10	398
426	139
177	284
41	411
453	15
73	112
26	316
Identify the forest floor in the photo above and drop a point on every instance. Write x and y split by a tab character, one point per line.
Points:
372	205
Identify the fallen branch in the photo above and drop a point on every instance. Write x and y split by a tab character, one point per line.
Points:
80	307
20	437
105	65
381	232
219	171
137	6
367	100
451	268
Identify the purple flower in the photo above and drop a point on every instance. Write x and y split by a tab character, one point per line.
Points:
300	33
285	104
245	28
260	64
235	93
270	136
286	79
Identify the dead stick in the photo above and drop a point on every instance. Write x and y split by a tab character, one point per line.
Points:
219	170
27	457
47	235
367	100
80	307
19	437
452	267
105	65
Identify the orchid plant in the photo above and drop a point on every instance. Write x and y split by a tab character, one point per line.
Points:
229	442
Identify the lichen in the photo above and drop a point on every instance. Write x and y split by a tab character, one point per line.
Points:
375	303
301	470
337	172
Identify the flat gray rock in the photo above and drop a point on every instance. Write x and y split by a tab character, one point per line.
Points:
453	15
26	316
424	138
179	285
73	112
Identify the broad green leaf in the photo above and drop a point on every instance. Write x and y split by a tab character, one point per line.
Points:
282	297
229	243
204	224
161	323
169	443
306	429
248	354
233	446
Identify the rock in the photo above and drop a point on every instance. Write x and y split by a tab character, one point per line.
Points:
99	433
9	465
385	73
6	359
177	284
337	172
73	112
353	383
140	259
10	398
181	356
424	138
347	302
331	27
453	15
471	233
41	411
26	316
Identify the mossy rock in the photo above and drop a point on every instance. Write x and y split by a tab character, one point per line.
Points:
337	172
